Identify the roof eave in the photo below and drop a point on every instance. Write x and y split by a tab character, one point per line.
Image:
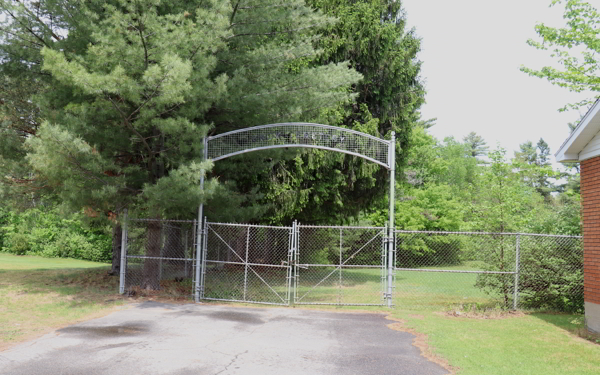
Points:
580	137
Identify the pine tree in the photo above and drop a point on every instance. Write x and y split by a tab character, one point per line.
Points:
324	187
533	163
135	87
475	144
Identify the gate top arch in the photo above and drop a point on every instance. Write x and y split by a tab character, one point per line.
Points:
303	134
300	134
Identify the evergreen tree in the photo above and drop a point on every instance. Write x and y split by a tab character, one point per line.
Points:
145	81
535	169
320	187
475	144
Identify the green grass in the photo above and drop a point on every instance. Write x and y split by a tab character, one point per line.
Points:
525	344
325	285
39	294
12	262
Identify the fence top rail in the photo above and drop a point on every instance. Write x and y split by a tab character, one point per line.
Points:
161	220
248	225
488	233
337	227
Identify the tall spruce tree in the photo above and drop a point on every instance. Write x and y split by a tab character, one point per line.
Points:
136	85
324	187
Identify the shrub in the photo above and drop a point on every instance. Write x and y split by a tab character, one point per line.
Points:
16	243
47	233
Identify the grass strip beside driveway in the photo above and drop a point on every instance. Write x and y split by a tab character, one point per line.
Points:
523	344
39	294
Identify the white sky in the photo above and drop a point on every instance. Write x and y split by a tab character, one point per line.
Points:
471	53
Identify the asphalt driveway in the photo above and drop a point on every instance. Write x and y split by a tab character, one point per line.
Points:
155	338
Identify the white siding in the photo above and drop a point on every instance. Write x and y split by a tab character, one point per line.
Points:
592	149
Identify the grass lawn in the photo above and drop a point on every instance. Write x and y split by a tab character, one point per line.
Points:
38	295
522	344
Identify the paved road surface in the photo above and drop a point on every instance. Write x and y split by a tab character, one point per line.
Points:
155	338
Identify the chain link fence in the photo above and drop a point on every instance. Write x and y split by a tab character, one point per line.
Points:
332	265
340	266
160	257
444	269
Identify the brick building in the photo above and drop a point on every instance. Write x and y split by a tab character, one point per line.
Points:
583	146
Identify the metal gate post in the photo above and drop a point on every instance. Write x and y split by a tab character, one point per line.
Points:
517	266
199	230
123	265
340	265
384	263
246	262
198	262
203	261
390	241
296	259
291	263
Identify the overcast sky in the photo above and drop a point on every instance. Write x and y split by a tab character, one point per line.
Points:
471	53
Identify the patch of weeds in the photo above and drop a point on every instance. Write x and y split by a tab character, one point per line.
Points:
170	291
477	310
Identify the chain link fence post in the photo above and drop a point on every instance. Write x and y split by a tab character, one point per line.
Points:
291	262
203	262
517	266
123	266
296	259
198	262
246	262
390	266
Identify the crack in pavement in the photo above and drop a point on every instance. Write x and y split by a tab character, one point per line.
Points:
231	363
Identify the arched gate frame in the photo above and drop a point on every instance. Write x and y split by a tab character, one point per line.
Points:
308	135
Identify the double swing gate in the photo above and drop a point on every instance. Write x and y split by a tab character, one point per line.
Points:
299	264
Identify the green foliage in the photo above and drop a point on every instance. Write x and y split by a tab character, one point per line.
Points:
49	234
325	187
533	163
561	216
575	47
551	275
501	201
475	145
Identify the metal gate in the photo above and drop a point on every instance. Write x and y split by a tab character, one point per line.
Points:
247	263
340	266
301	264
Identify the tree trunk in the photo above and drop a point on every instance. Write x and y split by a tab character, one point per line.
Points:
117	235
151	278
173	242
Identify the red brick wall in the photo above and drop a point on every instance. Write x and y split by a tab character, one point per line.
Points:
590	191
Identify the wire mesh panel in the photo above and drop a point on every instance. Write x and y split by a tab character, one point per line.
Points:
551	272
160	256
298	135
340	266
247	263
444	269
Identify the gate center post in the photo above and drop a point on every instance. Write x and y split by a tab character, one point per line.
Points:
390	234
